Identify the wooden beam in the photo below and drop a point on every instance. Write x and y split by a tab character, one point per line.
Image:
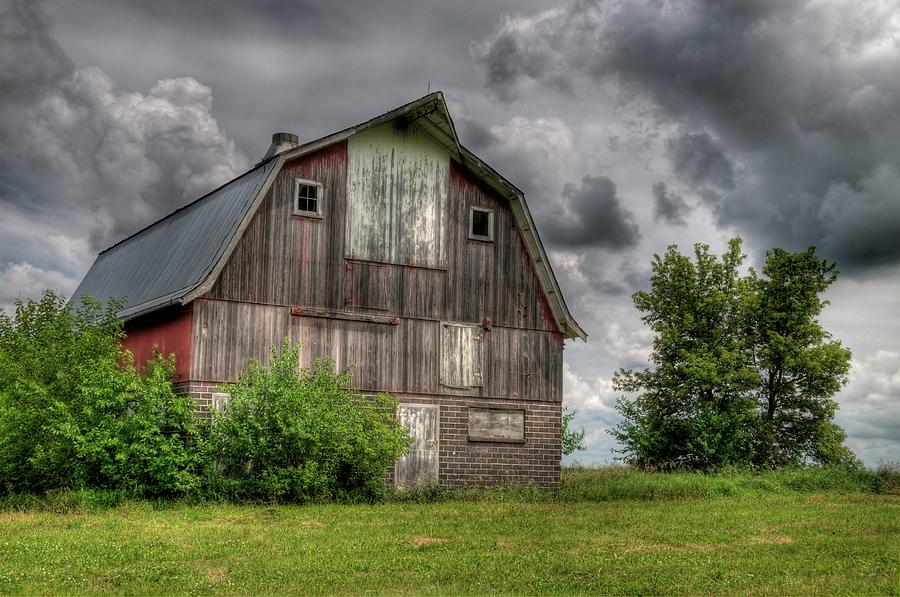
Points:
346	315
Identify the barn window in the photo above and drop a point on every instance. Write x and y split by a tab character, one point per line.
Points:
220	402
307	198
481	224
461	355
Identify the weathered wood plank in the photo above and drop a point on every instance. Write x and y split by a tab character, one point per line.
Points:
347	315
406	357
420	465
397	196
496	424
284	259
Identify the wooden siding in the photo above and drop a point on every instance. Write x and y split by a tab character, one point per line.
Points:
420	465
403	358
397	179
462	359
285	259
168	331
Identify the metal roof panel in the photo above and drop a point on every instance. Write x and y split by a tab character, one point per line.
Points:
165	260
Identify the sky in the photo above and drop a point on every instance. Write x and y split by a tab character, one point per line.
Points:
630	125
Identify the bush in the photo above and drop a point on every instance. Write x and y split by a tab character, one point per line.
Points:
887	478
300	434
75	413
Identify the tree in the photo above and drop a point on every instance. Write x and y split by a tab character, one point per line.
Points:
743	373
572	439
694	408
800	368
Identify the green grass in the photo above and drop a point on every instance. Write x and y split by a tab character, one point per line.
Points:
607	531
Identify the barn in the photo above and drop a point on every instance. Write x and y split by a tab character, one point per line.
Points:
387	246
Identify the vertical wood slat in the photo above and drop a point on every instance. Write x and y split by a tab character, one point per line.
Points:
406	358
397	196
420	465
461	356
298	261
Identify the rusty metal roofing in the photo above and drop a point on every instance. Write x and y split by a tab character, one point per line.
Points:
160	264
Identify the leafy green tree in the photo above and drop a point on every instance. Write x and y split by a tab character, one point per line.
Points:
694	408
743	373
572	439
301	434
75	412
800	367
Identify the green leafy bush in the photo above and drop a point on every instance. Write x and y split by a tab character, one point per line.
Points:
75	412
300	434
571	439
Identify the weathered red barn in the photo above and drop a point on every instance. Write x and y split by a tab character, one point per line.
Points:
387	246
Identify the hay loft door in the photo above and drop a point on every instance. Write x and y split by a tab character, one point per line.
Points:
420	465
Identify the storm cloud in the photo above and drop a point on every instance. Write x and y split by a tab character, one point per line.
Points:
801	97
592	215
774	120
127	157
700	161
668	206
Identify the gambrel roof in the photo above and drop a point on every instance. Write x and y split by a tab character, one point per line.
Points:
178	258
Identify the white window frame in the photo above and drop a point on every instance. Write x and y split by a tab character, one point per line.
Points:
219	402
490	234
320	198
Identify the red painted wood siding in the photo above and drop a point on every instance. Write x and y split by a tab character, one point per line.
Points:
168	331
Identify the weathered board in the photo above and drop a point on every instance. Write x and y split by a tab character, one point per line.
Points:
496	424
397	193
420	465
462	361
402	358
286	259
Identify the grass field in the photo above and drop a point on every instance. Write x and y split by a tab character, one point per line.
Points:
654	534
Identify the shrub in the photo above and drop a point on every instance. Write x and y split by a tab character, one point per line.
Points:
301	434
887	478
75	413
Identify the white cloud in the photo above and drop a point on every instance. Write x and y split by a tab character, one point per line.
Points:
23	281
870	407
131	157
595	403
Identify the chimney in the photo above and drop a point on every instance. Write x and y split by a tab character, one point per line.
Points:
281	142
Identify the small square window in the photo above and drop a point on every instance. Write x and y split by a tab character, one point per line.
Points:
481	224
219	403
307	198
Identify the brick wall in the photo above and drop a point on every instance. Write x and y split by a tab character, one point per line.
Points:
464	462
201	392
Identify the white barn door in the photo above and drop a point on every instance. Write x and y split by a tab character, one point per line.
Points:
420	465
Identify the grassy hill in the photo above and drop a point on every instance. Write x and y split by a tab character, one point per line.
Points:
606	531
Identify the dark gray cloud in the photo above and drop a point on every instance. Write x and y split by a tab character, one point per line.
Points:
31	64
700	162
668	206
591	215
800	97
33	61
124	158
